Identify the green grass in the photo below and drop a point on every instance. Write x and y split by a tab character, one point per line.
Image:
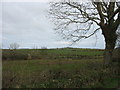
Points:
58	74
57	68
64	53
75	51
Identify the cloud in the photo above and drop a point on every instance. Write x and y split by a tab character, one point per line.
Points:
26	23
25	0
62	42
22	23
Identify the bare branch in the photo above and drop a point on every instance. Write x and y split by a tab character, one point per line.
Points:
14	46
77	19
81	37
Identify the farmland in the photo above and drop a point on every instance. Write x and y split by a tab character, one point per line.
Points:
57	68
62	53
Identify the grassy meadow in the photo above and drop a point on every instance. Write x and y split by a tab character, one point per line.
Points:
57	68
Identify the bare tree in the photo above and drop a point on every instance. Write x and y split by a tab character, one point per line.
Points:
35	47
14	46
80	20
43	47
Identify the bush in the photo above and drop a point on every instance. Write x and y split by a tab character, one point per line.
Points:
13	55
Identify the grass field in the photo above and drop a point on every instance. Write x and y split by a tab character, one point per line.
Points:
60	73
63	53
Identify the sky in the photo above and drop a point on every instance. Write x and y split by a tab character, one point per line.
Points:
27	24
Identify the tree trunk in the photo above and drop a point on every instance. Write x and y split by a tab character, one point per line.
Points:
108	54
110	40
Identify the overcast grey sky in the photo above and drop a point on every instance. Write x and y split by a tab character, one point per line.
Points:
27	24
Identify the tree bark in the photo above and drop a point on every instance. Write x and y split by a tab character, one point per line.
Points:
109	33
108	54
